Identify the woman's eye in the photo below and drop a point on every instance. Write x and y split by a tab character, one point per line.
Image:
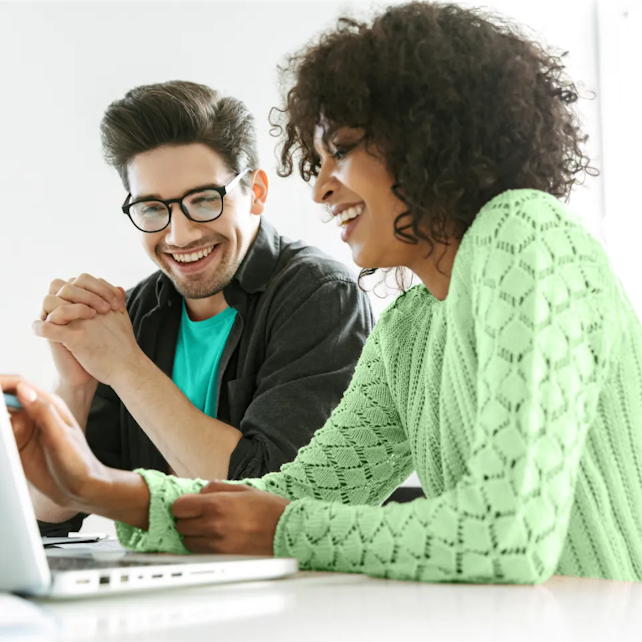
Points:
340	152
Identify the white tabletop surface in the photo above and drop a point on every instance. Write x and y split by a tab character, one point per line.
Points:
338	608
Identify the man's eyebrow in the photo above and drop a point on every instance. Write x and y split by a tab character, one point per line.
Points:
156	197
147	197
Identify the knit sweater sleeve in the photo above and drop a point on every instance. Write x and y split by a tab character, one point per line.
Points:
537	293
161	536
361	454
359	457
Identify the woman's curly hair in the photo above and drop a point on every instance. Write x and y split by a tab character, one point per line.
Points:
460	102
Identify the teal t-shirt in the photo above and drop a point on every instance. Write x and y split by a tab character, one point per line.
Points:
198	357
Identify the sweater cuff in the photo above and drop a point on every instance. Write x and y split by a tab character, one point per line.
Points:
161	537
299	530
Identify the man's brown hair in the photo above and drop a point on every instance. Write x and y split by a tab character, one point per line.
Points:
178	112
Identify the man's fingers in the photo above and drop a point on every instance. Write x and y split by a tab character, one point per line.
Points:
56	285
50	331
101	288
223	487
93	292
124	306
190	506
119	301
69	293
69	312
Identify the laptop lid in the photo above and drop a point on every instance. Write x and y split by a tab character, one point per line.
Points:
23	565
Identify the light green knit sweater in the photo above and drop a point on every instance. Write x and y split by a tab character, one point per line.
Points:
518	401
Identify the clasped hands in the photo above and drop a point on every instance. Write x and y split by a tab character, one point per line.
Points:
91	336
86	323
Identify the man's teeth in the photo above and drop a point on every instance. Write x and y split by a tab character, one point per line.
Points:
347	215
194	256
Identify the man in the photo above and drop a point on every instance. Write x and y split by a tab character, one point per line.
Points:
224	363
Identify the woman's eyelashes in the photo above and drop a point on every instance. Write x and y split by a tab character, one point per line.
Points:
340	152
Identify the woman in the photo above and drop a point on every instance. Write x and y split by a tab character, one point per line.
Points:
440	139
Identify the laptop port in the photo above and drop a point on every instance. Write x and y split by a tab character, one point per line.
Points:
104	580
177	574
124	578
157	576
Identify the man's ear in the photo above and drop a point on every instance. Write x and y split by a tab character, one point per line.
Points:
260	188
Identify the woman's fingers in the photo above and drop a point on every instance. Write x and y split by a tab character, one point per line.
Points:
196	527
202	545
8	383
191	505
43	409
23	429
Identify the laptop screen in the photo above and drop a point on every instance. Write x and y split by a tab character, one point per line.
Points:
22	558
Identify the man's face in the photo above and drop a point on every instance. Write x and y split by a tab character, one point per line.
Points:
170	172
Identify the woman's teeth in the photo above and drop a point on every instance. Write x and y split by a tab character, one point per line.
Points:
347	215
194	256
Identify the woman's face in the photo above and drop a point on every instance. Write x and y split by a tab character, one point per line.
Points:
354	184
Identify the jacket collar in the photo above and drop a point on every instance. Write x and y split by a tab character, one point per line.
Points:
253	275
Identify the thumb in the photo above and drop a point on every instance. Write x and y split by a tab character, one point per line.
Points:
224	487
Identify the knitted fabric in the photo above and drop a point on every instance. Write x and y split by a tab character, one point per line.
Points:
517	400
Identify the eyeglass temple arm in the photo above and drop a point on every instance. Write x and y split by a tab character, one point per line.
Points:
234	181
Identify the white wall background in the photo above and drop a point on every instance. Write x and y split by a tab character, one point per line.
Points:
620	61
63	63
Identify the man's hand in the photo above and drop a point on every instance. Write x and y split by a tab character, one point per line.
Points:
101	344
229	519
67	301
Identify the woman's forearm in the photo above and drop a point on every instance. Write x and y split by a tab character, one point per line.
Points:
124	498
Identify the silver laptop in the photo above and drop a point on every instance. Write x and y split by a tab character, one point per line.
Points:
26	568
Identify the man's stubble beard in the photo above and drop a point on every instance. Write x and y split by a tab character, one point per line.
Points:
203	287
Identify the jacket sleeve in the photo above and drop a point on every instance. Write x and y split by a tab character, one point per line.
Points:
313	346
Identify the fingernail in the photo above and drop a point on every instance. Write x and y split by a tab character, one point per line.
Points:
27	392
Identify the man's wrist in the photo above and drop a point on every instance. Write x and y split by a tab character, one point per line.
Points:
131	373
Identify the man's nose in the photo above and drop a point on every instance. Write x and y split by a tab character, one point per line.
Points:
181	230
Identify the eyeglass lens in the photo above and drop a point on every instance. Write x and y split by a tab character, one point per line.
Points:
206	205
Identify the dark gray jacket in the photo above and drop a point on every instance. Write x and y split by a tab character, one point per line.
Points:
299	330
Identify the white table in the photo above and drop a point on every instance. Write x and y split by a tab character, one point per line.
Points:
351	608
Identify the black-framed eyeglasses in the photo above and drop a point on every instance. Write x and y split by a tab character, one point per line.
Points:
201	205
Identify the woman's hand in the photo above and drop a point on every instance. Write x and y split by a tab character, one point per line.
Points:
229	519
55	455
58	462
